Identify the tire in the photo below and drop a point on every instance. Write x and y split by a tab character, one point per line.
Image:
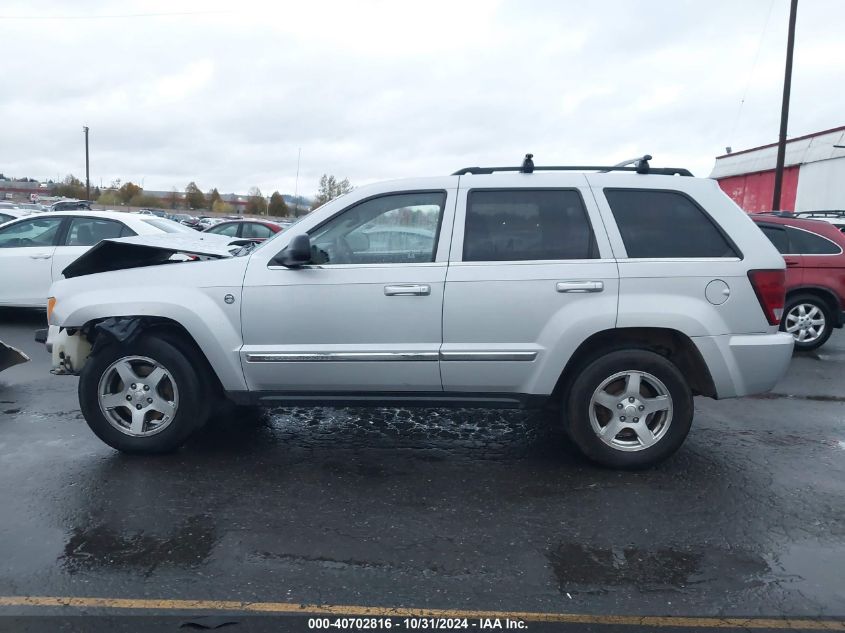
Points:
160	413
806	332
637	443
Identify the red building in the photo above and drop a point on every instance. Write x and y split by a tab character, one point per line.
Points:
813	175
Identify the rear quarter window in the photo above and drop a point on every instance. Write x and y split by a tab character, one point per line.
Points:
665	225
807	243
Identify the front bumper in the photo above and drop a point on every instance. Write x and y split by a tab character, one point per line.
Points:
69	352
741	365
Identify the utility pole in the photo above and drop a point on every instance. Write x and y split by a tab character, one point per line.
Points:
87	171
296	187
784	110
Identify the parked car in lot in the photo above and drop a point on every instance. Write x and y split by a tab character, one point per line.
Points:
814	251
246	229
70	205
836	218
616	297
11	213
36	248
206	221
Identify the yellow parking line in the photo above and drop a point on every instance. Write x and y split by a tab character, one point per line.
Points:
357	610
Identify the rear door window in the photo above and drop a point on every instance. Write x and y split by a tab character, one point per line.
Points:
527	224
665	225
777	236
254	230
230	229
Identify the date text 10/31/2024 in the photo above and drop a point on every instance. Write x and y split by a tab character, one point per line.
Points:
415	623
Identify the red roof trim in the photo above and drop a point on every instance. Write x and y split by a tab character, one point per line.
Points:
789	140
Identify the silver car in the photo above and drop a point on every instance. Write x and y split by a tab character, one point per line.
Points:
617	297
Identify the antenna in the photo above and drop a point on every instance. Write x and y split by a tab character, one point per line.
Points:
296	186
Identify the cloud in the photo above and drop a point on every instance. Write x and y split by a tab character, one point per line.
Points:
226	94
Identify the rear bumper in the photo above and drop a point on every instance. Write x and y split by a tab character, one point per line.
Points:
745	364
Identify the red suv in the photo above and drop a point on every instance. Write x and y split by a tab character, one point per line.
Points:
258	230
814	252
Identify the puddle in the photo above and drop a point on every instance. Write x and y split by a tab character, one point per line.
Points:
103	547
578	566
485	433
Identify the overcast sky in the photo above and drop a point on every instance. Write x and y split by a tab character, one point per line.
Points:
226	93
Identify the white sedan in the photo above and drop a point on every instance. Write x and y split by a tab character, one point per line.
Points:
12	213
35	249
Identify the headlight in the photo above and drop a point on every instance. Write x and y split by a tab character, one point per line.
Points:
51	303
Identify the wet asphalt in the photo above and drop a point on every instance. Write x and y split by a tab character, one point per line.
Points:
436	508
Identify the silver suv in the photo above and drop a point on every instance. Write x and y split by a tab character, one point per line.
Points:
615	296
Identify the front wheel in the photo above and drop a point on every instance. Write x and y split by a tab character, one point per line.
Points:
809	320
142	398
629	409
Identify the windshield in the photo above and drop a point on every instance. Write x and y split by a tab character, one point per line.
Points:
168	226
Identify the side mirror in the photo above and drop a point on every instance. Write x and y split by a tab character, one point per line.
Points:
296	253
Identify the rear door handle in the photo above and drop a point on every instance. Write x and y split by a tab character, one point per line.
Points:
407	290
40	256
791	263
579	286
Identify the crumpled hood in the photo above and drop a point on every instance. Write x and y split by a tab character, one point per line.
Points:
150	250
10	356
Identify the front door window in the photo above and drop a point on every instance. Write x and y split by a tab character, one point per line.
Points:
391	229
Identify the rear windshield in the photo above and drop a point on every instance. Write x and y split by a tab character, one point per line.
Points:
168	226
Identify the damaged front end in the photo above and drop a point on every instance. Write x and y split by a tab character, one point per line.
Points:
11	356
151	250
71	347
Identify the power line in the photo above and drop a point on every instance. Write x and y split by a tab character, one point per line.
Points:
112	16
751	72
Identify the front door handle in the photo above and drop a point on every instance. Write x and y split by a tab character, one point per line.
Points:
579	286
407	290
40	256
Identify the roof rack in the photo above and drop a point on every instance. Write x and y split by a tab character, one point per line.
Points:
823	214
640	166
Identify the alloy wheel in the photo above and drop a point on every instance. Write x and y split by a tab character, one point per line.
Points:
138	396
631	410
805	322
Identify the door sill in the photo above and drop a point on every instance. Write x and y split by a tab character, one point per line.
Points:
419	399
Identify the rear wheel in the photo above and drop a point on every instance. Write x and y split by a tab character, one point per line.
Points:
809	320
629	409
144	397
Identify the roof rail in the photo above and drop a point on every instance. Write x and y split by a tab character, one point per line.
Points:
823	214
641	167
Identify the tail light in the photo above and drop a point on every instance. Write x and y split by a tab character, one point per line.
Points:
770	288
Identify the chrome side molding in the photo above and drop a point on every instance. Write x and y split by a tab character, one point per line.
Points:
341	357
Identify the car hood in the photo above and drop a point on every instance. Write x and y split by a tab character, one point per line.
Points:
150	250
